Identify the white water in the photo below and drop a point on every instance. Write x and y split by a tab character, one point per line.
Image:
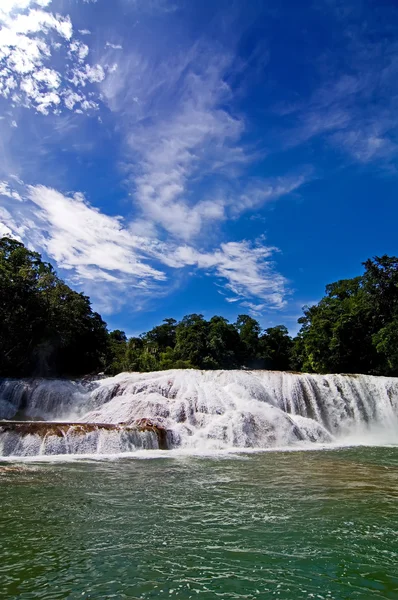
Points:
205	411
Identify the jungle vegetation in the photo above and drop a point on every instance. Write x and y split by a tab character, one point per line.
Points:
48	329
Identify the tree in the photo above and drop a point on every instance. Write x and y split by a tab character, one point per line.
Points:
380	282
353	329
164	335
386	344
169	360
249	331
116	352
46	328
276	348
22	277
222	344
133	354
75	339
191	340
334	333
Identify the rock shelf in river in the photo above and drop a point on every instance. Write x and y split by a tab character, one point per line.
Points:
18	437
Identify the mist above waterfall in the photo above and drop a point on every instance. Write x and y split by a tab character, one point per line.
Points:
203	411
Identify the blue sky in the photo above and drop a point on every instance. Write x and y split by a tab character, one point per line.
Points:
177	156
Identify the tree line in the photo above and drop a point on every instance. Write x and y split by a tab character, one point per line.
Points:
48	329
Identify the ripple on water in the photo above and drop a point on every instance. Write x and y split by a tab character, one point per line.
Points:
285	525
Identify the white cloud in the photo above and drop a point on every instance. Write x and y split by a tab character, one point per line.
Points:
261	191
82	75
9	6
79	49
81	239
255	309
113	46
246	268
366	145
36	21
106	256
7	191
181	132
5	231
28	52
111	69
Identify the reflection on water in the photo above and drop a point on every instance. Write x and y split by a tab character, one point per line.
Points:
286	525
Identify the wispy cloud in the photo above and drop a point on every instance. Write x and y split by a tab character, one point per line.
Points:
246	269
185	159
353	107
182	132
8	192
182	145
113	46
101	252
77	236
178	140
261	191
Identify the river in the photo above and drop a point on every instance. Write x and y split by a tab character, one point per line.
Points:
295	525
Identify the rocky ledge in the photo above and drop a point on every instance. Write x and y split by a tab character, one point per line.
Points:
59	429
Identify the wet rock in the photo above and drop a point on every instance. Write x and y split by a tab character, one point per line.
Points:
48	428
148	425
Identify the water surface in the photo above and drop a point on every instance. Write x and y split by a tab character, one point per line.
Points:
290	525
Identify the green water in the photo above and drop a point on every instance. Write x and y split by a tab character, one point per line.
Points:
292	525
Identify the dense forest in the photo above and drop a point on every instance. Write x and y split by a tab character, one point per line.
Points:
45	327
48	329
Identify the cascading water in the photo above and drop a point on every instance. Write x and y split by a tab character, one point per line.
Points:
196	410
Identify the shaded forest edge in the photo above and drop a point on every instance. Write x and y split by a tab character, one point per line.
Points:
48	329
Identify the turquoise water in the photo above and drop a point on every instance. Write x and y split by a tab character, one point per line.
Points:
288	525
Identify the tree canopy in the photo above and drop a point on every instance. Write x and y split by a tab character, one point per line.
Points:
195	342
46	328
354	328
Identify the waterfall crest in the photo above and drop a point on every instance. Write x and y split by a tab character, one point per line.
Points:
198	410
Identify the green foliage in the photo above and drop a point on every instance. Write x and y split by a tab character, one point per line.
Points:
134	350
276	348
249	331
223	344
45	327
386	344
354	328
116	352
164	335
200	344
191	341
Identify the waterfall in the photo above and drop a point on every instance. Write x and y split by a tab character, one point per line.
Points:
27	439
42	398
196	410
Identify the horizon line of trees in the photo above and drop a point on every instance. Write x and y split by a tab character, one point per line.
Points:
48	329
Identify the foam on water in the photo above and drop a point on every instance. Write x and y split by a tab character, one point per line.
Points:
205	411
